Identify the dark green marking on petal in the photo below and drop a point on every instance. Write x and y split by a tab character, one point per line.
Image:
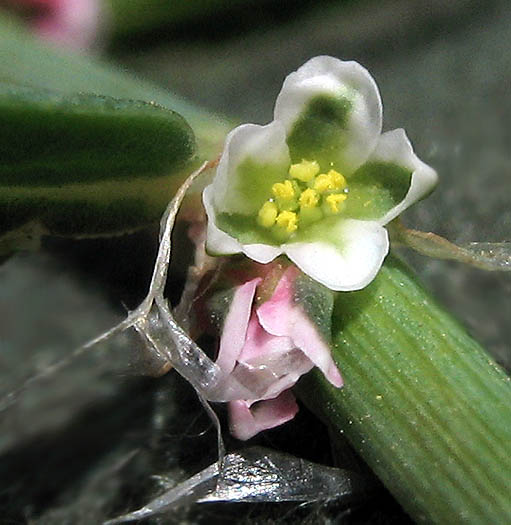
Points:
325	230
318	132
375	188
252	184
317	301
244	229
50	139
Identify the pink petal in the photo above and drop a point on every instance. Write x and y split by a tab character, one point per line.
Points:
245	422
271	364
269	377
73	23
259	344
235	326
281	316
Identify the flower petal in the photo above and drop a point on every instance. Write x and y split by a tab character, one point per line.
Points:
332	112
245	422
69	24
218	242
254	158
235	326
342	254
269	364
255	364
261	253
260	345
283	317
271	374
395	148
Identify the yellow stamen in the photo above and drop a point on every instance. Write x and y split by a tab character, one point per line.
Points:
338	180
283	190
267	214
304	171
304	198
334	201
322	183
287	220
308	199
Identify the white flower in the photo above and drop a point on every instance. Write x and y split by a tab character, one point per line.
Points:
320	182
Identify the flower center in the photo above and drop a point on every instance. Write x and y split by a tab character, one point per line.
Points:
306	196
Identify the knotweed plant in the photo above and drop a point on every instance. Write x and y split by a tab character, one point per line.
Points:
297	283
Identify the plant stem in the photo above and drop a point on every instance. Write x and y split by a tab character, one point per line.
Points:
423	403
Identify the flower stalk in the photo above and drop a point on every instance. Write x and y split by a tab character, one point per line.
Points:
423	403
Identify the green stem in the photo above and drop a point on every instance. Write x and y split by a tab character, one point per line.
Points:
422	403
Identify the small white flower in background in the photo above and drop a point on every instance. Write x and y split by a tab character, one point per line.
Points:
320	182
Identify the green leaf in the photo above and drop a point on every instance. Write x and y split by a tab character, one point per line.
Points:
48	139
83	165
422	402
26	61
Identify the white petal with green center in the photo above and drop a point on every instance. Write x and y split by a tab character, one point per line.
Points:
343	255
395	148
254	158
318	183
332	112
219	242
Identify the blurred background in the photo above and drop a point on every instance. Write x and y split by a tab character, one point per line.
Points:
86	443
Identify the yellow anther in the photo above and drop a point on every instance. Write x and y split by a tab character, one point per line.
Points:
267	214
283	190
309	198
323	183
305	170
334	201
338	180
287	220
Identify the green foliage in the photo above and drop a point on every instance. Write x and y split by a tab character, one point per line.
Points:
79	155
422	402
25	61
47	139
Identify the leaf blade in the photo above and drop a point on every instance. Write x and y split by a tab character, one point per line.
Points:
87	165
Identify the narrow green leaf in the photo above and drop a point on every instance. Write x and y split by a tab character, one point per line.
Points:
49	139
26	61
120	161
422	402
83	165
